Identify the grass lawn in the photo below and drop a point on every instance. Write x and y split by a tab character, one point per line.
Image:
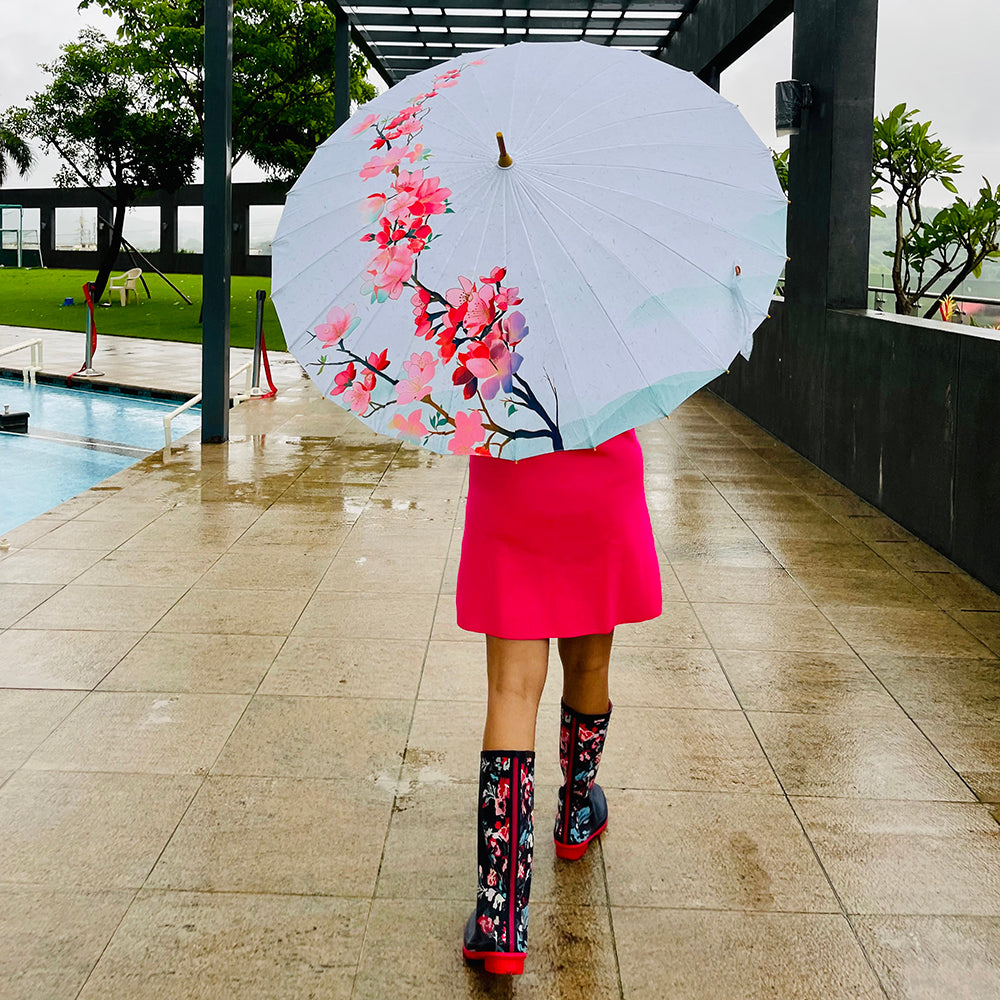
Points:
34	298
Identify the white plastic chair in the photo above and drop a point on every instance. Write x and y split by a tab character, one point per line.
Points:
124	284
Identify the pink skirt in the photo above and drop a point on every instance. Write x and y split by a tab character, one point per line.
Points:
558	545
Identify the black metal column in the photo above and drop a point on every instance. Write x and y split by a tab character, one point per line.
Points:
218	220
831	158
342	71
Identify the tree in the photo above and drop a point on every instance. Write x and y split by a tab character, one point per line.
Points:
13	147
110	131
283	79
959	238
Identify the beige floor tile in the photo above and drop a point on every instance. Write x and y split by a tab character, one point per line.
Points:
973	750
446	740
812	555
138	568
33	565
456	671
896	857
181	536
358	739
984	625
98	831
235	612
31	531
740	956
904	631
369	541
711	850
208	664
50	939
367	616
775	534
956	590
738	584
347	668
267	567
927	958
775	681
868	588
384	572
646	676
877	755
147	732
27	718
277	835
729	550
203	946
684	749
106	535
430	852
676	626
940	688
40	658
570	954
19	599
914	556
103	608
769	627
445	627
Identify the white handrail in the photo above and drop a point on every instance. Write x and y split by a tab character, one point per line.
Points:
28	374
194	400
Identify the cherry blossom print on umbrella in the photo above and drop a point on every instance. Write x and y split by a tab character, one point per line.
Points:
619	262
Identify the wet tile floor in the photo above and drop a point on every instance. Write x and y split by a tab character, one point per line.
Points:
239	733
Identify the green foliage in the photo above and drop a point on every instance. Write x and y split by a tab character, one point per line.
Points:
780	161
906	157
12	144
283	79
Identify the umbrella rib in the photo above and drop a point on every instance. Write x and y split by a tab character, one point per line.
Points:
569	368
676	211
709	352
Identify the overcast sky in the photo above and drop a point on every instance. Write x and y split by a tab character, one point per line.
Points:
940	58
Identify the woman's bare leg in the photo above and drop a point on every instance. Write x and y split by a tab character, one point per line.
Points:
515	670
585	660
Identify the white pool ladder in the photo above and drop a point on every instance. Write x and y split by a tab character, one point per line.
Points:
27	373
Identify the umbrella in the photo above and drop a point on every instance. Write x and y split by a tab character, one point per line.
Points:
615	260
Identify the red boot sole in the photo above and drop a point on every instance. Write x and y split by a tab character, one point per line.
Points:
573	852
499	963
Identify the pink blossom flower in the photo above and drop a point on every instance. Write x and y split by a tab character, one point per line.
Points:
343	379
424	196
339	323
365	122
481	312
409	427
514	328
377	164
371	208
389	269
359	397
420	368
463	295
506	297
496	369
494	277
413	153
469	432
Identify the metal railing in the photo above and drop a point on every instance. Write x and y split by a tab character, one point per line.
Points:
195	400
27	373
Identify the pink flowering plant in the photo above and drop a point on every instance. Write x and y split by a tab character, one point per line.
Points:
474	328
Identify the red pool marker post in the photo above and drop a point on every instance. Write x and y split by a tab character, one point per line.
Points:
88	370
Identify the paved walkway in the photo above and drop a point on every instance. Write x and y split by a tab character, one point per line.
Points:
239	736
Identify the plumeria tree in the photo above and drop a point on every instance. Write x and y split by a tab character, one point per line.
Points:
474	326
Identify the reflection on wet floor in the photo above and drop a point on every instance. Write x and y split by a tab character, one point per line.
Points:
239	733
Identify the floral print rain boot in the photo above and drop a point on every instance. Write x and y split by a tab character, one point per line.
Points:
583	810
497	931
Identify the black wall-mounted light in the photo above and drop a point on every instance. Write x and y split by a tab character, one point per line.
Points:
790	97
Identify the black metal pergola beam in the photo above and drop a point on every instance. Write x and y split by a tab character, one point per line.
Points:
713	34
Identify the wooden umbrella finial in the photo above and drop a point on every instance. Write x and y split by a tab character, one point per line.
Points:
505	160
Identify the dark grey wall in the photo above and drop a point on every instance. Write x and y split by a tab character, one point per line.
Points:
904	412
167	258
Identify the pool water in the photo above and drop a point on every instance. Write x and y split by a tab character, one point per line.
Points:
76	438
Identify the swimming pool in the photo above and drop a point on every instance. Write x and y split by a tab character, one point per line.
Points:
76	438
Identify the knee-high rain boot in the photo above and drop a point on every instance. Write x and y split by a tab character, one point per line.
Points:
497	930
582	813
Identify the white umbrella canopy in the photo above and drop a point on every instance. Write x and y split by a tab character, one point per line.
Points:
618	264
